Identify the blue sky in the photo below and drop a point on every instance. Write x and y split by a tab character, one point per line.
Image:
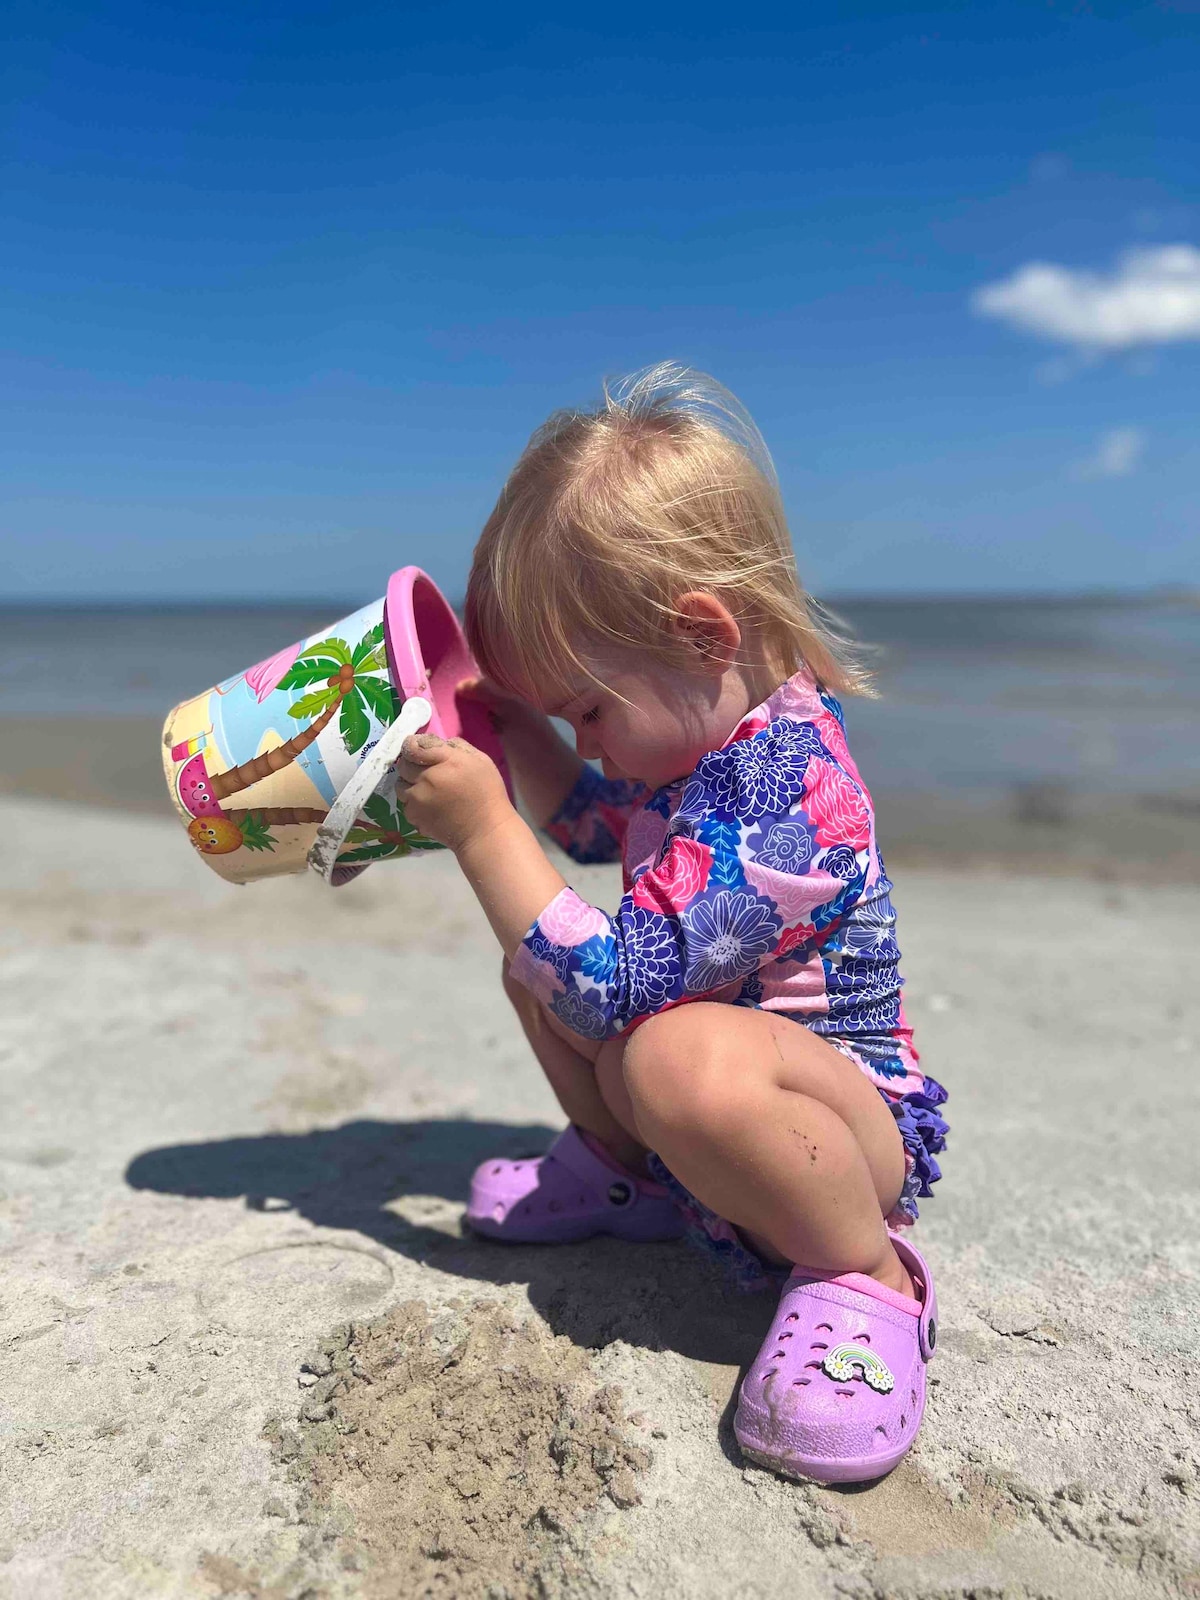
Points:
286	286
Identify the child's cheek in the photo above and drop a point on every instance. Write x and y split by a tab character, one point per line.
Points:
654	757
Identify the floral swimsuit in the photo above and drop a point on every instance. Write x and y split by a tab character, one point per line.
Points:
756	881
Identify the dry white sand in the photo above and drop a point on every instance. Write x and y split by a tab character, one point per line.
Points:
235	1119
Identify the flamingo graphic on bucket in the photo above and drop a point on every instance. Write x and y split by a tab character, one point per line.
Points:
262	766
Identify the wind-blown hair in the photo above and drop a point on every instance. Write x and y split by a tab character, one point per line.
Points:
611	515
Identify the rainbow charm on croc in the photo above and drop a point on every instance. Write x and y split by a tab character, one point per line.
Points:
842	1361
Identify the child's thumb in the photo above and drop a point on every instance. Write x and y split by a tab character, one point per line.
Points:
424	749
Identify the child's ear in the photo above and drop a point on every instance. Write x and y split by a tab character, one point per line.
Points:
706	624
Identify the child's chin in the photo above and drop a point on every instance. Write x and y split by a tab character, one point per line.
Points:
611	770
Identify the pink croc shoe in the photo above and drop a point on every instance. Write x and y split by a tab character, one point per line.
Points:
574	1191
838	1390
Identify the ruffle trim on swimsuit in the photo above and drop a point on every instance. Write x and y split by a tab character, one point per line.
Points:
923	1131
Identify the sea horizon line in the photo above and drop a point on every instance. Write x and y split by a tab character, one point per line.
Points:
1180	593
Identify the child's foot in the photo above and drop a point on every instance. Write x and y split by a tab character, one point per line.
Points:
838	1390
893	1274
575	1191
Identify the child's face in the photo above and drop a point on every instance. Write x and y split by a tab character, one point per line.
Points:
674	716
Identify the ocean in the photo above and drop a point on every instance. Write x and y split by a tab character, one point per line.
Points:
1089	695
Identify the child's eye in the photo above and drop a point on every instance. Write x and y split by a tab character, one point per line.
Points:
591	716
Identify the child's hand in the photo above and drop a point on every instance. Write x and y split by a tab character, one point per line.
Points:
502	707
449	790
543	764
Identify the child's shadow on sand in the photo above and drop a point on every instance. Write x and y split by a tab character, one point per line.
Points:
658	1296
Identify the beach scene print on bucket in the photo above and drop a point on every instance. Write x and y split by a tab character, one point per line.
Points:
254	764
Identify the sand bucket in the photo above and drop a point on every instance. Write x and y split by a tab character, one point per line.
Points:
289	764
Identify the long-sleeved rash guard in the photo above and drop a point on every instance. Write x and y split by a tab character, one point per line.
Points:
756	881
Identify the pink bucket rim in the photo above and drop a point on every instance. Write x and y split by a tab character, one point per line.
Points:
410	590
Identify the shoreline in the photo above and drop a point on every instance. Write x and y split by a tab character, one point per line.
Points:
1044	829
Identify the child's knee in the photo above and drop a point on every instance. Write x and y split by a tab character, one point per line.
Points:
676	1071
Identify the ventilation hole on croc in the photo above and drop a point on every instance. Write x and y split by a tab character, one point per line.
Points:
792	1316
847	1394
498	1212
815	1365
798	1383
912	1398
818	1346
903	1421
517	1165
495	1170
862	1338
779	1355
526	1208
879	1428
824	1327
784	1336
767	1375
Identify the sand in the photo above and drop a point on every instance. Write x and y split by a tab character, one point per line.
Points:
240	1123
458	1453
1050	829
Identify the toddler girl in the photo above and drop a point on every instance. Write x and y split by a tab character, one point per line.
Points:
729	1045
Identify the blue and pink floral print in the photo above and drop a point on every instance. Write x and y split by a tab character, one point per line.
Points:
756	881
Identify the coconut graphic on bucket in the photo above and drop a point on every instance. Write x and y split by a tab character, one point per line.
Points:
288	764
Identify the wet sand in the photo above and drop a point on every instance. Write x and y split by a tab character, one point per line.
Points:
1044	828
112	762
238	1120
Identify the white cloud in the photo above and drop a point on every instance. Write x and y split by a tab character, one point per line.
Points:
1151	297
1116	455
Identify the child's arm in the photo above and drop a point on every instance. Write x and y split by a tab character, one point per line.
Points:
512	879
544	767
585	814
767	850
454	793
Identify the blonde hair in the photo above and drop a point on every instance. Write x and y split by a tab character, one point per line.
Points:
611	515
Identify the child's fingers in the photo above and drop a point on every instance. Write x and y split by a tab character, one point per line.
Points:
420	750
475	689
485	692
423	747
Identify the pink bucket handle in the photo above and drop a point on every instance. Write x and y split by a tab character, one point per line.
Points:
428	656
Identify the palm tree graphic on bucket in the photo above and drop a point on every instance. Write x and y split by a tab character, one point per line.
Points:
239	741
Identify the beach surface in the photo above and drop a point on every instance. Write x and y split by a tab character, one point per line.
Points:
1031	826
247	1350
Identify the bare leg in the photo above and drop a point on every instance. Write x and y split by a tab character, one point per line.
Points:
773	1129
569	1064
